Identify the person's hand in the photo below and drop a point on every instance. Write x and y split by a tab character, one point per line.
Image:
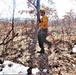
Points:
40	20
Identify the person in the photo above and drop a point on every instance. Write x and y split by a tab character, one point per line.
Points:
43	30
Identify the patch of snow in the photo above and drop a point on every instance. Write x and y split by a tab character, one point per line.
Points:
74	48
15	68
44	70
35	70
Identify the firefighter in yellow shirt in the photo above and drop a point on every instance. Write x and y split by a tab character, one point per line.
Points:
43	30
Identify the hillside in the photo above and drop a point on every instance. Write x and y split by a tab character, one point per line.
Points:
58	60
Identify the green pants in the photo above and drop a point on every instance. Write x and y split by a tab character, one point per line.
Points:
42	34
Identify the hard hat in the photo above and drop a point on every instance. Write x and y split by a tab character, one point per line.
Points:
42	9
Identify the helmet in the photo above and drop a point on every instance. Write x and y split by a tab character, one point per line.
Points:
42	9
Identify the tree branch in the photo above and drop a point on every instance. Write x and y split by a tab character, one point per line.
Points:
8	40
33	3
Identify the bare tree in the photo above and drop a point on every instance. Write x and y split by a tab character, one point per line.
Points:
6	39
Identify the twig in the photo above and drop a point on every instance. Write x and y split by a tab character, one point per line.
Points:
8	40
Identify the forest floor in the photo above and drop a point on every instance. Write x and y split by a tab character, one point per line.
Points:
58	60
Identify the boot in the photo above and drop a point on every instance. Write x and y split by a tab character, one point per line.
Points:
41	51
50	45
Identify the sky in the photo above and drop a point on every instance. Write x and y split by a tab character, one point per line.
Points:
62	6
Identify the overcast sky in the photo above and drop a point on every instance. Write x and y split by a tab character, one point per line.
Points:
62	6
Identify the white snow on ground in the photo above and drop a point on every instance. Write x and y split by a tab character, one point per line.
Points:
44	70
74	48
35	70
15	68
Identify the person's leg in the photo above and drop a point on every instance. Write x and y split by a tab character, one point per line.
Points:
49	44
46	41
40	41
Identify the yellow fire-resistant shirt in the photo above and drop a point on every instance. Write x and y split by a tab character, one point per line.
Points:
44	22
